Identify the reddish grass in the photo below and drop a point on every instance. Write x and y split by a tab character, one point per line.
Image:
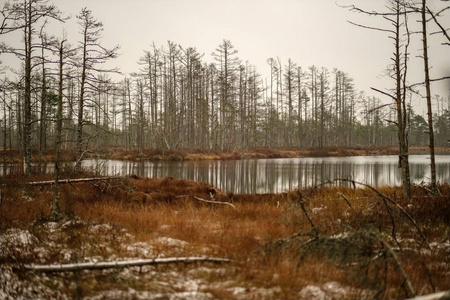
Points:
152	208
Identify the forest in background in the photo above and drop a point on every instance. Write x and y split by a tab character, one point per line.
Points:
177	100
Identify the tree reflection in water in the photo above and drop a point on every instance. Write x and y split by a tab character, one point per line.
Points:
252	176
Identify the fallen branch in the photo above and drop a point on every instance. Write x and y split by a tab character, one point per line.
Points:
214	202
407	282
386	199
122	264
445	295
50	182
346	200
302	205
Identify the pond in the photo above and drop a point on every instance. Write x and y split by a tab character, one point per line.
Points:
278	175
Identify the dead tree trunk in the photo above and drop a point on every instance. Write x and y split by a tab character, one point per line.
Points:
428	95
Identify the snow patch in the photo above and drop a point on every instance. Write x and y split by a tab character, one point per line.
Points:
17	238
315	210
171	242
327	291
140	249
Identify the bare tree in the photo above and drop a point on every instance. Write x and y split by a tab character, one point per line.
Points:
227	65
93	54
63	52
290	82
397	16
26	16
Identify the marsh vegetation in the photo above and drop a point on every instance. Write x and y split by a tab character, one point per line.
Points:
341	243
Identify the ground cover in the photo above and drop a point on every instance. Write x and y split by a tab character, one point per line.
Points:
322	243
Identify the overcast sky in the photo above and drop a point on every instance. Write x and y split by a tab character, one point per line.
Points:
310	32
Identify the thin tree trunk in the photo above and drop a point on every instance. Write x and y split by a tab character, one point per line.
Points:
401	112
42	115
27	93
81	105
58	142
428	95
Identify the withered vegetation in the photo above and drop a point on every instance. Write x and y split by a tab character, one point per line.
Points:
335	242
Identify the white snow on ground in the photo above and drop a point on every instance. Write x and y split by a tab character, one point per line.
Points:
327	291
132	294
193	282
166	283
170	283
140	249
171	242
17	238
13	288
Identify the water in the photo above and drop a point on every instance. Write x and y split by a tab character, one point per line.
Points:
278	175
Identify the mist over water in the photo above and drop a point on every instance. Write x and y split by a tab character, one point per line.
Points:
277	175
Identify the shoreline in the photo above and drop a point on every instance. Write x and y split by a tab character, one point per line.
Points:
159	154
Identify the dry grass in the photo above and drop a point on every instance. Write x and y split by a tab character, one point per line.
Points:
275	243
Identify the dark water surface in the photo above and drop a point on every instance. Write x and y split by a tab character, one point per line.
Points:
278	175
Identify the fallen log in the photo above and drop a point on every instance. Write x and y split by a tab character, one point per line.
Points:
77	180
122	264
436	296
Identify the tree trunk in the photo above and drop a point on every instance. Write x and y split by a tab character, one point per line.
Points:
401	112
27	92
428	95
58	142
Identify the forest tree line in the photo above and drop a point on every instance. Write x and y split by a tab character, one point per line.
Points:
176	99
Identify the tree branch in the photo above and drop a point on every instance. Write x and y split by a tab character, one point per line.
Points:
444	32
123	264
70	181
371	28
214	202
384	93
389	249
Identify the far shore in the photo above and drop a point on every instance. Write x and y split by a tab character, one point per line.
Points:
160	154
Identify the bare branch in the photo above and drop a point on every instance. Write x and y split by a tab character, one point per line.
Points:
399	266
123	264
384	93
371	28
214	202
444	32
431	80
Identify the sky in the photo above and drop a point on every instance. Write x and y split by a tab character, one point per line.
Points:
309	32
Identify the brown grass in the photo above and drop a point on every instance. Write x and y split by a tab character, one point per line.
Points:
269	237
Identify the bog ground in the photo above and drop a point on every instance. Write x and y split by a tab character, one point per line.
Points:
323	243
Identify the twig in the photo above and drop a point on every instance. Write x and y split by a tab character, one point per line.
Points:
389	249
387	199
214	202
346	200
302	205
123	264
